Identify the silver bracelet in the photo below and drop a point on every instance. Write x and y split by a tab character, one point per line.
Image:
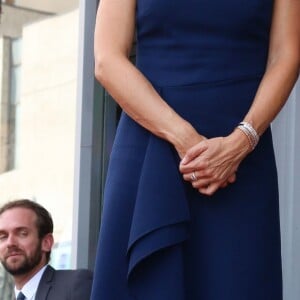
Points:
250	132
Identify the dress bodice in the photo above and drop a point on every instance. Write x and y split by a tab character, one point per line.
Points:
185	42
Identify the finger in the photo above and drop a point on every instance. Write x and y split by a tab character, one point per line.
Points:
232	178
198	174
199	163
192	153
210	189
224	185
201	183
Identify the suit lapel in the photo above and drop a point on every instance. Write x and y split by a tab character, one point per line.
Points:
45	284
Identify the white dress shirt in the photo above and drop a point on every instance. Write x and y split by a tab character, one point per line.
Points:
30	288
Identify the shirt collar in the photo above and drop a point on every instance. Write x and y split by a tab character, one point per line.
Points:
31	286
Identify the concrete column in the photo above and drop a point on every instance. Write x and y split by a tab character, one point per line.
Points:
4	101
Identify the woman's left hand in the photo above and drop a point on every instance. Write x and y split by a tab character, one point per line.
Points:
212	163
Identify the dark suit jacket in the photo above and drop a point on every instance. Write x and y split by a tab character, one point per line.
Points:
65	285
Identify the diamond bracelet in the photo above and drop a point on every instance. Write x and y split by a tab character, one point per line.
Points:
250	132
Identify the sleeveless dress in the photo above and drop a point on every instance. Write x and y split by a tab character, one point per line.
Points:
160	239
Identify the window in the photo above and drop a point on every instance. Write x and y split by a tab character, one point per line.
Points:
38	84
14	103
10	102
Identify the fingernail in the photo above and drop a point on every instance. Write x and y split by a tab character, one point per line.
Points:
183	161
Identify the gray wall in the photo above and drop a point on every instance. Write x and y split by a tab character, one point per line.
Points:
287	148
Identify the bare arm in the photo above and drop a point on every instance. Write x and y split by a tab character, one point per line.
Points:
114	32
283	65
216	159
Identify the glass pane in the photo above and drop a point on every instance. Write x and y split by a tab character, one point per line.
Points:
15	87
17	137
16	51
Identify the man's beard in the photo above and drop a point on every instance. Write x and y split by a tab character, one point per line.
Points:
28	264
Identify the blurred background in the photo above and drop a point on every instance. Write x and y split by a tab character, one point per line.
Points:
38	80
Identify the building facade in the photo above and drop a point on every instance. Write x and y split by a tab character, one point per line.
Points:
38	82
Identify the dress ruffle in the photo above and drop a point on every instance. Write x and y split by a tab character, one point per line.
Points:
161	214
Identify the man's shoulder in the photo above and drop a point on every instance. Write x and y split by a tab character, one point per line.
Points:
74	273
66	276
66	284
68	273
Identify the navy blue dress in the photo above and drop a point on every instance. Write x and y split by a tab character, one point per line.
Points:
160	239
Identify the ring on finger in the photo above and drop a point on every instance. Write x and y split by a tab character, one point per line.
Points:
193	176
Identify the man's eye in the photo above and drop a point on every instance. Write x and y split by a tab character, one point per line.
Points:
2	237
23	233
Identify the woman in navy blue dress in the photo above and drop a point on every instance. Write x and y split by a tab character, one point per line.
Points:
191	200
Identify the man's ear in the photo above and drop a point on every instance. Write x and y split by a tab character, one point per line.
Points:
47	242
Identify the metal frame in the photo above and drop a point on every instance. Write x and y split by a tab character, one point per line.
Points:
96	124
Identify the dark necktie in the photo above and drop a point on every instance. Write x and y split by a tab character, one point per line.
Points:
21	296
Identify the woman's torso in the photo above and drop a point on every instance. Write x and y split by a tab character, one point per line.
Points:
194	41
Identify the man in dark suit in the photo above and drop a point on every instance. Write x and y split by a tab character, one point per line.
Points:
26	240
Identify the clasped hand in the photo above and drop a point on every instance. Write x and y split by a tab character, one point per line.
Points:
212	163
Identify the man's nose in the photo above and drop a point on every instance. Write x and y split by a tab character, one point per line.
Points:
11	240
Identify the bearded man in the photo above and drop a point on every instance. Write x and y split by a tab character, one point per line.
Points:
26	240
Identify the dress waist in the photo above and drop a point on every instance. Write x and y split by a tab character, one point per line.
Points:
181	70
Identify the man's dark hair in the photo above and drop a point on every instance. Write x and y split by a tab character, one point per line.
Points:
44	222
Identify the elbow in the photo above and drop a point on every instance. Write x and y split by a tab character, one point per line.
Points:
100	69
296	59
105	68
289	55
108	66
